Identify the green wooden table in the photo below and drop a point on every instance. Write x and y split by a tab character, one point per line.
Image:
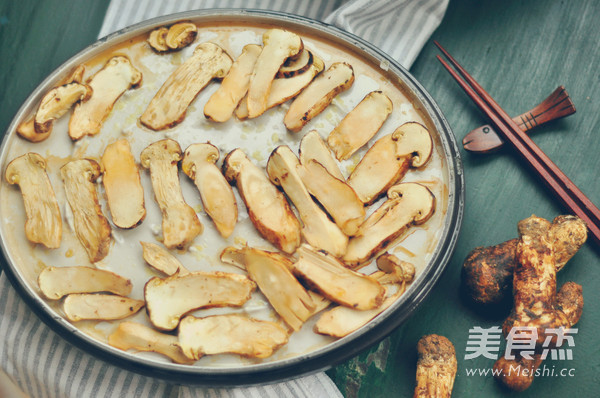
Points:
519	51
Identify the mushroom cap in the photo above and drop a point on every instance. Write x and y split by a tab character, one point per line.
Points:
196	153
414	139
163	149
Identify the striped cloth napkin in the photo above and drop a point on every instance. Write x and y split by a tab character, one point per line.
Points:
43	364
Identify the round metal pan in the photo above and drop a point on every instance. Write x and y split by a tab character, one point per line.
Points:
323	357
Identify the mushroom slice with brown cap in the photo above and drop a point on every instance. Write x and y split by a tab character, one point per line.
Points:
283	89
56	282
161	260
44	223
388	160
91	227
312	147
294	67
317	229
181	35
275	280
121	179
278	45
157	39
268	209
407	204
106	307
233	88
338	198
360	125
230	334
168	299
216	194
108	84
180	224
133	335
327	275
57	102
170	103
341	321
318	95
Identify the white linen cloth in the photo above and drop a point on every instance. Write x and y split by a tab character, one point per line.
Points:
43	364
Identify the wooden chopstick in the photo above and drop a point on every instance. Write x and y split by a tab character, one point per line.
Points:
566	191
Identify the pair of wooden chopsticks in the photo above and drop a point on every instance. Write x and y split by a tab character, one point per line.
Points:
565	190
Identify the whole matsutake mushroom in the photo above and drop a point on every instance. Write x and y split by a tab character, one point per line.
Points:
217	196
91	227
44	223
436	367
180	224
388	160
268	209
407	204
317	228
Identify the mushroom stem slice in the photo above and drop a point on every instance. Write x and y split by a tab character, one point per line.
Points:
268	209
91	227
44	223
285	88
106	307
216	194
318	229
57	102
312	147
121	179
230	334
278	45
338	198
56	282
408	204
318	95
388	160
161	260
133	335
272	274
332	279
360	125
108	84
180	224
233	88
168	299
169	105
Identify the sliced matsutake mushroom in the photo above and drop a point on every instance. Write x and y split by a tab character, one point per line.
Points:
294	67
317	229
338	198
57	102
278	45
284	89
216	194
327	275
135	336
388	160
44	222
268	209
181	35
91	227
312	147
108	84
180	224
157	39
121	179
407	204
230	334
168	299
341	321
170	103
233	88
161	260
27	130
107	307
272	274
318	95
360	125
56	282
